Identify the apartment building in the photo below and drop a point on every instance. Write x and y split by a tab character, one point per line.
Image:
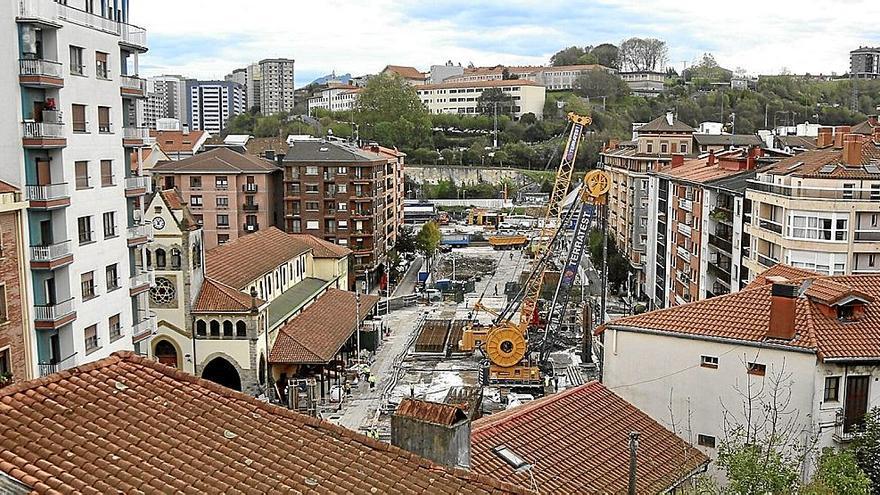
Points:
335	98
338	193
552	78
238	76
253	85
210	105
463	98
180	144
644	83
820	209
166	99
75	104
696	239
394	190
17	350
864	63
230	194
276	85
810	337
408	74
628	200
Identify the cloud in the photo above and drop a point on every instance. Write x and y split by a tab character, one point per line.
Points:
207	39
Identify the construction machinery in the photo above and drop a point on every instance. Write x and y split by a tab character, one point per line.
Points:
506	341
499	242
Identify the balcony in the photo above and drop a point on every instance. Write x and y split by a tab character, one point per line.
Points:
49	14
684	229
60	365
767	261
43	135
249	188
144	329
139	234
137	186
141	282
720	271
250	207
683	253
770	225
361	214
136	137
51	256
36	73
867	235
251	227
685	204
49	196
843	433
133	37
50	316
848	194
133	86
721	243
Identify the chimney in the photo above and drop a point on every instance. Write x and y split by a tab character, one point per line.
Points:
852	149
677	160
185	129
711	160
839	132
670	118
872	119
752	158
270	154
254	309
877	135
440	432
825	137
783	307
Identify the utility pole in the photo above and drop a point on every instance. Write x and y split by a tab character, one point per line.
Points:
357	321
633	461
495	127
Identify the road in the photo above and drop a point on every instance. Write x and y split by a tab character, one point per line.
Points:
408	284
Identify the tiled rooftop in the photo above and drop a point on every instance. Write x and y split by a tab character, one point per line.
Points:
219	297
810	163
127	424
577	441
430	412
745	316
322	248
243	260
218	160
172	142
294	298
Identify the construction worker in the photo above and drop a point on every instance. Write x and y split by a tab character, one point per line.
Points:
372	380
347	387
496	289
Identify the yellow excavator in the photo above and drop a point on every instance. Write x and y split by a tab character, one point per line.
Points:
505	342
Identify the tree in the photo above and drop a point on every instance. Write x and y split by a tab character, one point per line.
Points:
428	239
389	111
506	75
866	447
406	241
642	54
568	56
600	83
839	474
495	96
606	54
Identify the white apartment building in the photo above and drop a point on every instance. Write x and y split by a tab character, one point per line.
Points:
557	78
73	106
528	96
237	76
211	104
276	85
340	98
254	82
644	83
166	99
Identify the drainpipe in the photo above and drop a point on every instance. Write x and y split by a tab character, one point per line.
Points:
633	461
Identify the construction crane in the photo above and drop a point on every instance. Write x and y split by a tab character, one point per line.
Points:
505	342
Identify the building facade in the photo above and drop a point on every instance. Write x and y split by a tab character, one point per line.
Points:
166	99
78	106
238	76
230	194
338	193
644	83
17	350
820	209
210	105
864	63
463	98
253	86
552	78
339	98
181	143
276	85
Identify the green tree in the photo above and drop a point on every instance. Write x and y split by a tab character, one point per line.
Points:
428	239
389	111
606	54
839	474
638	54
866	447
406	241
495	96
568	56
600	83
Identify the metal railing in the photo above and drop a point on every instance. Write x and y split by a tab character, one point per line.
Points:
39	67
142	278
250	207
133	35
61	365
48	192
841	432
867	235
52	312
249	188
251	227
48	10
767	261
138	231
815	192
133	82
131	132
770	225
143	329
51	252
721	243
42	130
139	182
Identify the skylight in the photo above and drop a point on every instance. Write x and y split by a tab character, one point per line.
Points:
511	458
827	169
872	168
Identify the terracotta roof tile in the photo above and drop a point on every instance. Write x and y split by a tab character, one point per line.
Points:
6	187
171	142
578	443
405	71
781	270
316	334
745	316
322	248
430	412
172	199
810	163
865	128
128	424
239	262
497	83
218	297
218	160
660	124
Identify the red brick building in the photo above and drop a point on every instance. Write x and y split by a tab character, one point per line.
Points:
16	355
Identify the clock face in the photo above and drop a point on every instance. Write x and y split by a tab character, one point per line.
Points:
158	223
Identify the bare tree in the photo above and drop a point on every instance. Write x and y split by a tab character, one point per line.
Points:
642	54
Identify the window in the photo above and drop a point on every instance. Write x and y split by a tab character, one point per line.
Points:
5	363
201	328
650	147
102	69
664	148
223	220
104	119
106	173
312	206
195	201
77	65
311	170
709	362
848	191
250	220
342	206
78	113
832	389
175	258
312	225
82	174
222	238
195	182
227	328
109	224
341	188
3	314
706	441
222	202
112	275
342	170
87	283
199	219
91	338
84	224
683	147
221	182
115	327
756	369
312	188
342	224
160	259
875	192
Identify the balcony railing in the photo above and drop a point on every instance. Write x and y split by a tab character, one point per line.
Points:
38	67
249	188
51	252
683	253
843	433
138	182
684	229
133	35
143	278
48	192
140	231
721	243
770	225
685	204
251	227
52	312
134	83
35	130
767	261
53	11
816	192
250	207
131	132
720	271
61	365
143	329
867	235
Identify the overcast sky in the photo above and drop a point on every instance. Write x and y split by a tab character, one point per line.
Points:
208	38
